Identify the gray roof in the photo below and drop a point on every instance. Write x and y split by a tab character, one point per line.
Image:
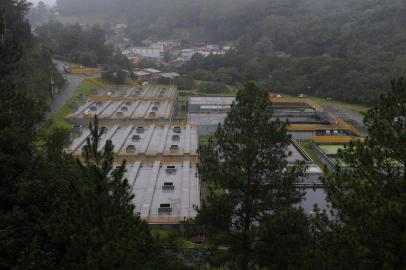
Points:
170	75
142	73
206	119
210	100
153	139
146	182
151	70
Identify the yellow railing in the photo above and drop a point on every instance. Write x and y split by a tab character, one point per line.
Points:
137	116
163	219
314	127
141	123
149	159
109	85
78	71
154	153
332	139
344	124
130	98
125	85
298	100
163	160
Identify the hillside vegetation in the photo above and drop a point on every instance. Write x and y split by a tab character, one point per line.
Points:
346	49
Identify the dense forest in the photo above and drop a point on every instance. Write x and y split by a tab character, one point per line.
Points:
85	46
57	212
33	71
346	50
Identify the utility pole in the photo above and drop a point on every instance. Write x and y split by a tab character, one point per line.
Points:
3	34
52	87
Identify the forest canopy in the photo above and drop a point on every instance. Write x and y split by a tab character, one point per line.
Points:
346	49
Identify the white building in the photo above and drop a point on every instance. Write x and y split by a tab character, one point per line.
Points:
147	52
144	139
165	193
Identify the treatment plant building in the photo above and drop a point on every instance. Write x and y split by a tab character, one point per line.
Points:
160	153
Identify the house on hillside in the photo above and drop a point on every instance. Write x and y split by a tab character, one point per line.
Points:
169	77
148	75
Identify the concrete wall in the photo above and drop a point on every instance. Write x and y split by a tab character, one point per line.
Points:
206	130
323	157
302	135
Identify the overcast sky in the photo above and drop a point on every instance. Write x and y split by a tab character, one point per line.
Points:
49	2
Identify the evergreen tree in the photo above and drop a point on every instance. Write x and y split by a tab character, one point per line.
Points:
369	193
106	233
285	241
72	214
56	212
245	168
20	114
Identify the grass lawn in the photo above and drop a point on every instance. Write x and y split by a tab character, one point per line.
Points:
204	140
58	120
73	65
335	103
331	149
306	147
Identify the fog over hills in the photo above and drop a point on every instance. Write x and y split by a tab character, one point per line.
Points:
48	2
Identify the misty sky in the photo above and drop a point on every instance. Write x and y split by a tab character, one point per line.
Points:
49	2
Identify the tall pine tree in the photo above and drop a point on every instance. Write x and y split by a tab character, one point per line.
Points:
369	194
245	168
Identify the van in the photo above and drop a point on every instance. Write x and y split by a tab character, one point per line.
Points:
174	147
177	130
170	169
130	148
135	138
140	130
168	186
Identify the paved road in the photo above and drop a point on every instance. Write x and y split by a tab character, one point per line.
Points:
71	84
352	117
57	103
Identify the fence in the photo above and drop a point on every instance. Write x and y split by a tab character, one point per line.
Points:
323	157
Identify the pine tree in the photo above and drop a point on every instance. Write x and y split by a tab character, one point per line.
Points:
369	193
72	214
110	234
245	168
20	114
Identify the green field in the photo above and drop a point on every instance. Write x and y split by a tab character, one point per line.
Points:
338	104
204	140
331	149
